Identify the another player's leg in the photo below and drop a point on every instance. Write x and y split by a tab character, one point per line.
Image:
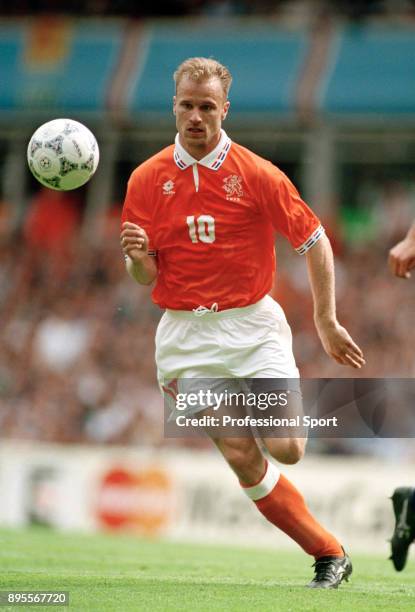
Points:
284	506
403	501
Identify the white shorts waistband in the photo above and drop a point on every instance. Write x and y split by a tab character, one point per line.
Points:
229	313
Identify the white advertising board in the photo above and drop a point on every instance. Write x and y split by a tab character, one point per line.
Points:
189	495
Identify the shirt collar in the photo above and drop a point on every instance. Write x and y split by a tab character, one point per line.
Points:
212	160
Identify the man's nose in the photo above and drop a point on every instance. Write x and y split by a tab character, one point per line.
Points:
195	116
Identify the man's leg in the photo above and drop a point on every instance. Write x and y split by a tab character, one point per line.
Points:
403	500
286	450
282	504
285	443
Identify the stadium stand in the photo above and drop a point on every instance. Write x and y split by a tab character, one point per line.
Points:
265	81
50	63
368	71
364	72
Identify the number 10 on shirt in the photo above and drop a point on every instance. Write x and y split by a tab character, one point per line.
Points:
201	229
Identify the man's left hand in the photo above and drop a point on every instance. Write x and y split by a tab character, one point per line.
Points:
339	345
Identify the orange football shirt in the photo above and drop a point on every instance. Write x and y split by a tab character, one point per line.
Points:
211	224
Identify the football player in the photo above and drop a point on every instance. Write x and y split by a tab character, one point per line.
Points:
199	221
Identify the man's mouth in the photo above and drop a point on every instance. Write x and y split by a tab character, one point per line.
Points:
195	130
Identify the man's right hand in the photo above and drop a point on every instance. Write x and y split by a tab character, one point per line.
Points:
402	256
134	241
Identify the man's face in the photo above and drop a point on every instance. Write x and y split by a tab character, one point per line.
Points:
200	109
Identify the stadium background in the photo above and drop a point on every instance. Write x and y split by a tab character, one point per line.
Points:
323	89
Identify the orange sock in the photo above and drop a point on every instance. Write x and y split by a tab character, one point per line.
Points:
280	502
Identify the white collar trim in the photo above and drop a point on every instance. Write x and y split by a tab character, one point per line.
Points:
212	160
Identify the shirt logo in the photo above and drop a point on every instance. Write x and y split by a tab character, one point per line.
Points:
233	187
168	188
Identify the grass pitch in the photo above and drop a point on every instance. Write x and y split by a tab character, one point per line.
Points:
104	573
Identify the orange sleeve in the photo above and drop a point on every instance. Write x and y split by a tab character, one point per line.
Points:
137	206
288	213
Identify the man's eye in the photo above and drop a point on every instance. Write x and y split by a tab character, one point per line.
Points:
206	107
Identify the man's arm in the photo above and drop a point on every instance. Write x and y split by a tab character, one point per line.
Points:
402	255
140	265
335	339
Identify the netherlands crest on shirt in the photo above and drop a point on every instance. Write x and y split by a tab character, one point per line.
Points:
232	185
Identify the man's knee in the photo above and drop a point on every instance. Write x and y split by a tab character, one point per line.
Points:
244	457
286	450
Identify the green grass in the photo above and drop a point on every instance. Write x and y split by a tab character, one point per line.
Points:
123	573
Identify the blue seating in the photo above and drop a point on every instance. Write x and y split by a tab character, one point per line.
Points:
265	62
11	43
371	71
76	79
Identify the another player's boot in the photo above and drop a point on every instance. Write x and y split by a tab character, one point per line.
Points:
404	532
330	572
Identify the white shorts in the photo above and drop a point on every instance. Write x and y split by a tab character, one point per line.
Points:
239	343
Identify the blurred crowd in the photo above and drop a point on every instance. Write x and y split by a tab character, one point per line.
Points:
356	10
77	334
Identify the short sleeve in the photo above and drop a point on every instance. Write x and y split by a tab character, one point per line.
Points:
137	207
288	213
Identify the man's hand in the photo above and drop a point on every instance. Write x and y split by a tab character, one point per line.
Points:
140	265
335	339
134	241
339	345
402	256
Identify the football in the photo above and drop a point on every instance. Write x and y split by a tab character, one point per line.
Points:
63	154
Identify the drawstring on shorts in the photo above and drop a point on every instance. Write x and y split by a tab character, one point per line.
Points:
202	310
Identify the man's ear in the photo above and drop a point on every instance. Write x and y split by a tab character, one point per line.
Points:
174	105
225	109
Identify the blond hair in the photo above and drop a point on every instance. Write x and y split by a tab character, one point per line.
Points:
201	69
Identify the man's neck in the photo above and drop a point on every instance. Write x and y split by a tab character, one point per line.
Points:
200	152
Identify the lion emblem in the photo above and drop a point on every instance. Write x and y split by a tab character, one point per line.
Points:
233	186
